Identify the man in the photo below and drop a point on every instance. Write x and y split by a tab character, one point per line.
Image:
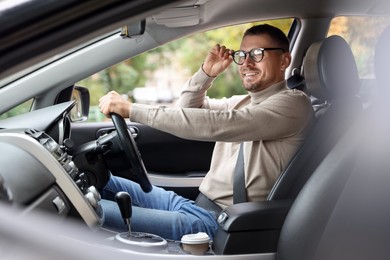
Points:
271	122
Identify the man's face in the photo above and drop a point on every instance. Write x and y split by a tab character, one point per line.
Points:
257	76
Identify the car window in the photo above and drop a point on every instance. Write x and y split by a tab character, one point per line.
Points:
18	110
361	33
155	77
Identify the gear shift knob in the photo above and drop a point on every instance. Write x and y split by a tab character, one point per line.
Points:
139	239
123	200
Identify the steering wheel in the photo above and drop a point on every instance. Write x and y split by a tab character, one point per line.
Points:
131	151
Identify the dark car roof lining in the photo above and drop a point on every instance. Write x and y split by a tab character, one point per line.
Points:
40	36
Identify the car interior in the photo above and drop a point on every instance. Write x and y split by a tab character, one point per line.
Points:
329	203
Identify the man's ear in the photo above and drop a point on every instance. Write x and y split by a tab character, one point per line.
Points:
286	60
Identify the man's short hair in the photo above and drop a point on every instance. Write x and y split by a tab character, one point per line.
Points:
275	33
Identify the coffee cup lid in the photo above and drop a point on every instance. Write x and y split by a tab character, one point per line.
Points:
198	238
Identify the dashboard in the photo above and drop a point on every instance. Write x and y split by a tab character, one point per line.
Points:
37	170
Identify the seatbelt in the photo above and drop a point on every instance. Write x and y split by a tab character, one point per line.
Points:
239	190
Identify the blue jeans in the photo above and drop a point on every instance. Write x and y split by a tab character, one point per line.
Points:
158	212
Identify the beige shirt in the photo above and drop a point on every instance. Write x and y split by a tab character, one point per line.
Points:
272	123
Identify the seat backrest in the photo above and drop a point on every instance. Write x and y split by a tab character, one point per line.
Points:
335	93
382	63
343	210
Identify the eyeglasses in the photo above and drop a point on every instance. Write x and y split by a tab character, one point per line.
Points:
256	54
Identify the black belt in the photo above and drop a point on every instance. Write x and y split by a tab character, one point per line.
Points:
204	202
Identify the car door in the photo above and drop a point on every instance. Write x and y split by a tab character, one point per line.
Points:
171	162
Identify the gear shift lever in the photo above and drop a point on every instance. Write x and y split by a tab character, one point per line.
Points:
123	200
138	240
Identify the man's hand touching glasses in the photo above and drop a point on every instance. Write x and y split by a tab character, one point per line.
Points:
218	59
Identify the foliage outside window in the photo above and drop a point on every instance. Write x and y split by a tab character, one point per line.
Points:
361	33
18	110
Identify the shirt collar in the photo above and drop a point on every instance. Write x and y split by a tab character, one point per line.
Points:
260	96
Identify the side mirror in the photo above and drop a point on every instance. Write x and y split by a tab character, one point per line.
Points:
80	111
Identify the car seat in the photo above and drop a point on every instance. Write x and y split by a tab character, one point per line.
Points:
343	211
336	106
382	64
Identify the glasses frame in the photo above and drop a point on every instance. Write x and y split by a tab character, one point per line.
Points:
250	53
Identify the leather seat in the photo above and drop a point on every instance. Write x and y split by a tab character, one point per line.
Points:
343	211
336	105
335	90
382	63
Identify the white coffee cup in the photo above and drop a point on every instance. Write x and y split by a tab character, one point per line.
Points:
196	244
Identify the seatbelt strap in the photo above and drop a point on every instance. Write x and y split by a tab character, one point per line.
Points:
239	190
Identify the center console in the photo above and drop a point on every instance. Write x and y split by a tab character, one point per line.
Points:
40	174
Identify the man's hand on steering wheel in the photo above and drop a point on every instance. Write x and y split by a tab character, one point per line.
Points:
115	106
113	102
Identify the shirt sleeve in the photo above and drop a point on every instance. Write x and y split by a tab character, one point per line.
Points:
193	94
280	116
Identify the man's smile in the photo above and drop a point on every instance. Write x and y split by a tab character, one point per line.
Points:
250	74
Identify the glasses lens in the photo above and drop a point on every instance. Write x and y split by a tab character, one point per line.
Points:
239	57
256	54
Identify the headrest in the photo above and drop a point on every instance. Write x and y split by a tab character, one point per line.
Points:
330	69
382	59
